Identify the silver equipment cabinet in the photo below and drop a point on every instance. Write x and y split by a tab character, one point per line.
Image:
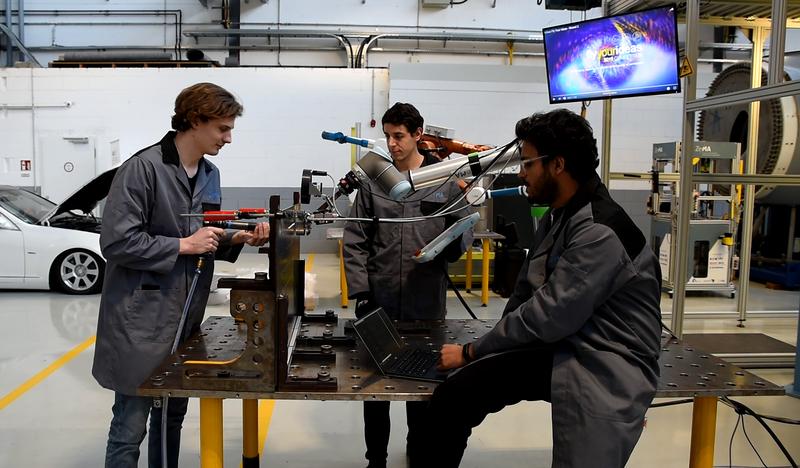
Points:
713	221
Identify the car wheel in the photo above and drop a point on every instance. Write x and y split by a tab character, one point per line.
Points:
77	272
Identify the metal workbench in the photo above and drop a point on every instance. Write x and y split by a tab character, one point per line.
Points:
327	352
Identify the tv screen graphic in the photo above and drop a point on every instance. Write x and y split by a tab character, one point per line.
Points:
633	54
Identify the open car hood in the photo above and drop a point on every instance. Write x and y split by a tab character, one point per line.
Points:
86	198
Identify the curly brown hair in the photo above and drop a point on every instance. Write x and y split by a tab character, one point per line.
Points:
562	133
202	102
402	113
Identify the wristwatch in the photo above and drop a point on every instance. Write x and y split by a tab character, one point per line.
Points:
465	352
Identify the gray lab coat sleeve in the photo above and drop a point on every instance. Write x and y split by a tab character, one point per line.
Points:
124	238
227	251
358	239
593	262
522	288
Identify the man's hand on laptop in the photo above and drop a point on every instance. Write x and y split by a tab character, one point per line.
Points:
452	356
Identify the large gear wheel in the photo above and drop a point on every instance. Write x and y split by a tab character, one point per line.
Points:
777	130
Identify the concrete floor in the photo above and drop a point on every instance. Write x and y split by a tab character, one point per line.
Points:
63	420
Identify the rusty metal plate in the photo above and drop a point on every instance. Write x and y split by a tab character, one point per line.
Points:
323	351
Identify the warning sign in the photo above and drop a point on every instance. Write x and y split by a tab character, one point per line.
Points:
686	68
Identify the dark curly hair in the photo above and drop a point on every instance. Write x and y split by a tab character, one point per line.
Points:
402	113
562	133
203	102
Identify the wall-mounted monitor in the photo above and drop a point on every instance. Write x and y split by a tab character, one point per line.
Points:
632	54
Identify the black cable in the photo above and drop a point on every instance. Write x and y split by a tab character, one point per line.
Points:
665	327
774	437
741	408
672	403
458	295
744	430
198	270
781	420
475	179
730	444
736	404
459	3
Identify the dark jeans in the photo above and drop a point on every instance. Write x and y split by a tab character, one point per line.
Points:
469	395
128	427
377	427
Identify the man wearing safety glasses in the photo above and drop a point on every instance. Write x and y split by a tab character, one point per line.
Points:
582	328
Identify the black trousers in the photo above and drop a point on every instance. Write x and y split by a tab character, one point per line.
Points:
377	427
476	390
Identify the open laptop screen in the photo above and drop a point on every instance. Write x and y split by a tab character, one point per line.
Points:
378	335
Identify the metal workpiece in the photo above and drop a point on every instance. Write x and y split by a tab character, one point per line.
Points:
338	370
233	353
687	371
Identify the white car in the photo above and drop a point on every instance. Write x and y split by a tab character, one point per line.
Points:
49	246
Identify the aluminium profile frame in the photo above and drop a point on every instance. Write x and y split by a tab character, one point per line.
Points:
692	105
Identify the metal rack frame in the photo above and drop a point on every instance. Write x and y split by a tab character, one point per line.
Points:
722	13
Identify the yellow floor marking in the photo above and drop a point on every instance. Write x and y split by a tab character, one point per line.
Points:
265	407
36	379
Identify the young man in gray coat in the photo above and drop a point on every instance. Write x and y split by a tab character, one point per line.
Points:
378	264
582	328
151	252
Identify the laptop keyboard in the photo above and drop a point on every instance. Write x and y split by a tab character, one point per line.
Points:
415	362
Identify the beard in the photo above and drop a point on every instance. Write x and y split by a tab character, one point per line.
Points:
545	193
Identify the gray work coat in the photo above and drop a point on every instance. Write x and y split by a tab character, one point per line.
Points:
377	256
591	287
146	281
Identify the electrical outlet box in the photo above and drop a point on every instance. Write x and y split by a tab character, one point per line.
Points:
441	132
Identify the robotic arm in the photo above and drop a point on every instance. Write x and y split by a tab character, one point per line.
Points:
472	165
377	166
442	147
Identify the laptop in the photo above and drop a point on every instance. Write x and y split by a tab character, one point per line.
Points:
394	357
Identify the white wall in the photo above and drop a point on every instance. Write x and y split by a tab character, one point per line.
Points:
287	108
277	137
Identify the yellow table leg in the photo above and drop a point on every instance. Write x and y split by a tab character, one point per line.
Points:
250	434
342	277
468	270
485	243
211	433
704	422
